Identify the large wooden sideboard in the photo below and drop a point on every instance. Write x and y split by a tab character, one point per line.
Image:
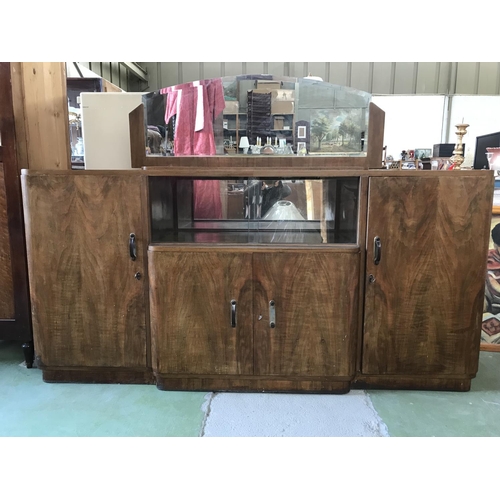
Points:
397	306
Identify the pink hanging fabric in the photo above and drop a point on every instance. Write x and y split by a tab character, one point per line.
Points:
182	101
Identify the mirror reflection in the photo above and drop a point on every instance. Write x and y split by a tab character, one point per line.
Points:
257	115
308	211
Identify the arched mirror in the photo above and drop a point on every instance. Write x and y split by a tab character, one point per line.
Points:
256	115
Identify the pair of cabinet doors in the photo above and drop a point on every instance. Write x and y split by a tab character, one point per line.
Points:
421	312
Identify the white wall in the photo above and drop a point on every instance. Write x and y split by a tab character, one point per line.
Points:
411	122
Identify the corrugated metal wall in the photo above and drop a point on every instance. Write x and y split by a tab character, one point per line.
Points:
475	78
374	77
117	74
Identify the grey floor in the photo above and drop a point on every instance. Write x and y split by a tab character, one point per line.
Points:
33	408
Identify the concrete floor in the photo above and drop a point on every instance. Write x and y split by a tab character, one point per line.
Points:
30	407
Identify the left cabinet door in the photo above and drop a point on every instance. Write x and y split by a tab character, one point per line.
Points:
201	311
88	307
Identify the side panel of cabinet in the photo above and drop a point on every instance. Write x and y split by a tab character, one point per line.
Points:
190	296
6	282
423	310
315	296
88	308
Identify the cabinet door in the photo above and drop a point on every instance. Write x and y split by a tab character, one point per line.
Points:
423	310
88	308
193	331
315	296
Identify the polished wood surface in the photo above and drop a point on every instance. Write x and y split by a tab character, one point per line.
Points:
376	122
190	296
423	312
98	376
316	308
401	382
137	137
263	171
14	299
88	307
6	283
243	383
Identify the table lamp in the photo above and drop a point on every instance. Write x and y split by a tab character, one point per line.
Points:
244	144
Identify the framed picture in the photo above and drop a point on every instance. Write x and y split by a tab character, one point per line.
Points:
490	327
301	145
336	131
301	132
422	153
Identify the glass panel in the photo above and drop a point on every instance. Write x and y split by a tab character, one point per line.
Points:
246	113
254	211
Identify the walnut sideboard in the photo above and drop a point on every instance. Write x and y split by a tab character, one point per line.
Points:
380	284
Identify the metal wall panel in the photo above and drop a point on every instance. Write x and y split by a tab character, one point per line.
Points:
212	70
361	76
427	78
404	78
377	78
338	73
467	73
276	68
169	74
489	78
315	69
190	71
382	78
256	68
233	69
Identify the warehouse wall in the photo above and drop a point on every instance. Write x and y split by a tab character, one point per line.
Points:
374	77
117	74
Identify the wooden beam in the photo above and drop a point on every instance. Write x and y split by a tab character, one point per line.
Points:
46	121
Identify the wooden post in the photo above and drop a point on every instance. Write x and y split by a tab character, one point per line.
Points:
41	115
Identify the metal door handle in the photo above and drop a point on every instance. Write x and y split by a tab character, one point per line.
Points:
233	313
272	314
377	250
132	246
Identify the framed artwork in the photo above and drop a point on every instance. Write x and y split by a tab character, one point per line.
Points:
301	132
490	329
336	131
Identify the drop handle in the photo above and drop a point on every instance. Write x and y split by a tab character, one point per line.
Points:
377	250
233	313
132	246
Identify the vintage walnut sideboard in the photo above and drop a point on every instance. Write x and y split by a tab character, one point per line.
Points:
128	286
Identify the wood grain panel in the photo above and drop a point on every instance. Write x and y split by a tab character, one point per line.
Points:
6	283
190	294
323	385
88	309
376	125
316	303
46	115
423	313
20	328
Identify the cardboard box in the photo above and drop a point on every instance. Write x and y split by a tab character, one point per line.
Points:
231	108
279	122
283	95
268	85
282	107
